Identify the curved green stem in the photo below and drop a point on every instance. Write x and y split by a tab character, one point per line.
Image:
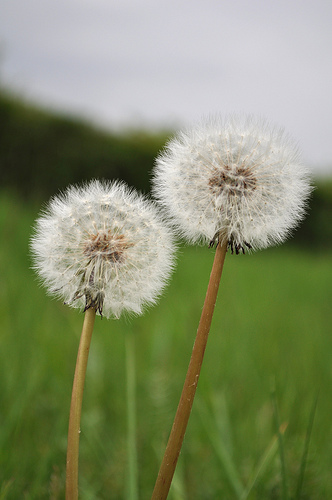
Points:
131	417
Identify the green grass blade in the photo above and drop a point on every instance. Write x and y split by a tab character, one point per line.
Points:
5	487
285	495
131	417
305	450
266	459
221	451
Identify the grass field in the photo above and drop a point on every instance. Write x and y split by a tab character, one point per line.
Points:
271	330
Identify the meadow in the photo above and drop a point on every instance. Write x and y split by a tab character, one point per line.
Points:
270	344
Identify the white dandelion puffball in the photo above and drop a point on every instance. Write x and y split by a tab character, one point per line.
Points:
103	246
238	179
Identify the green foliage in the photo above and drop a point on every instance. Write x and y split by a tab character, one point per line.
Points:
316	230
272	325
41	152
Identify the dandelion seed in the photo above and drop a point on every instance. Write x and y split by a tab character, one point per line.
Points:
238	179
238	184
103	246
104	249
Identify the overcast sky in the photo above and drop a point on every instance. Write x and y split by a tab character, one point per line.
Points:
167	63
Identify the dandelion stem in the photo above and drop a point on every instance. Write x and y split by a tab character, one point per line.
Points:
76	406
176	437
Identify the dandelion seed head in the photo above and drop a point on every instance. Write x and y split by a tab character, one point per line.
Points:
238	179
103	246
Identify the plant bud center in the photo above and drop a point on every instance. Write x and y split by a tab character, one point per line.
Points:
106	245
232	180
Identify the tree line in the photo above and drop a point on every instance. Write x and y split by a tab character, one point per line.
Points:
43	152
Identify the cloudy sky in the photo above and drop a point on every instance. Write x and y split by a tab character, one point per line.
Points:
167	63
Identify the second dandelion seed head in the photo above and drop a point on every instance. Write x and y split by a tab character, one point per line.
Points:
238	180
103	246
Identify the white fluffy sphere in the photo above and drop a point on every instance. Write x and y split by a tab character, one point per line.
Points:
238	179
103	246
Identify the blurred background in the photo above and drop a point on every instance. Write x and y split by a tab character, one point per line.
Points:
93	89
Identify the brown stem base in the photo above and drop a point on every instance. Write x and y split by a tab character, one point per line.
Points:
175	440
76	406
